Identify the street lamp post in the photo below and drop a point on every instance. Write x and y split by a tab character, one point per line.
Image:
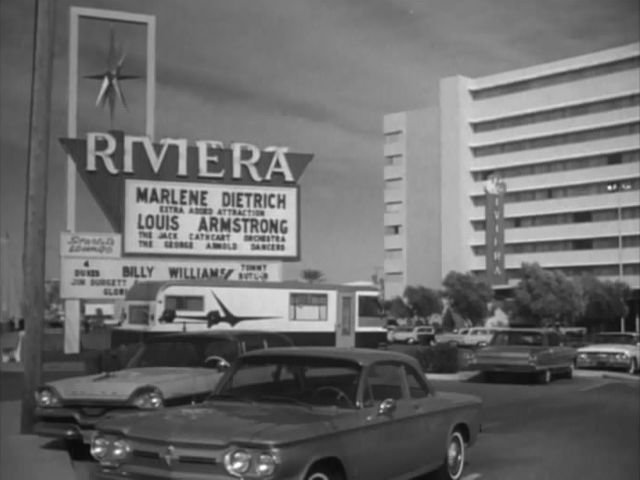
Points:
617	187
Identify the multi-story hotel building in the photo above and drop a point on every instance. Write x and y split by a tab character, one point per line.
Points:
564	136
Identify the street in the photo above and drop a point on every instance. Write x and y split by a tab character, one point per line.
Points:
585	428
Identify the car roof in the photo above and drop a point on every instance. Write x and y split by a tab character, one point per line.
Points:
362	356
204	334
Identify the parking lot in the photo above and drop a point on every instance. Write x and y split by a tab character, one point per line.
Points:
584	428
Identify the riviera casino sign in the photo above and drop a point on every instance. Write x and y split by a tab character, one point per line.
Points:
203	199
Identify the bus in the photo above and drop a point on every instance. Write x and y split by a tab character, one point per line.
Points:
309	314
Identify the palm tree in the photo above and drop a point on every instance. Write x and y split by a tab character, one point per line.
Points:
311	275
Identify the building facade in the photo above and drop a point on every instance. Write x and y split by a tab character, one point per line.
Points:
565	138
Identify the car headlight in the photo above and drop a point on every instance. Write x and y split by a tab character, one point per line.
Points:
99	447
250	463
266	464
148	398
47	397
237	462
110	451
622	356
582	356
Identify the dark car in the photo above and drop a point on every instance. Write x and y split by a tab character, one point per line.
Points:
166	370
535	352
300	413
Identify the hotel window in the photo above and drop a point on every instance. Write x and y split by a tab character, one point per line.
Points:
557	113
631	241
630	156
394	160
557	139
393	184
393	207
614	159
392	137
392	230
631	269
393	254
308	306
581	217
557	78
582	244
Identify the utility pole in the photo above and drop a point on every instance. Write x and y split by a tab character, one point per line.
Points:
35	225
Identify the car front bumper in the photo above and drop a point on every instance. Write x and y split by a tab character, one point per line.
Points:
506	368
602	362
71	423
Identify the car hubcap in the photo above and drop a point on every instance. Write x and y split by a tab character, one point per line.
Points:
455	457
318	476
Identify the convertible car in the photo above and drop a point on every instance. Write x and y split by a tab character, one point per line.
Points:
300	413
173	369
615	350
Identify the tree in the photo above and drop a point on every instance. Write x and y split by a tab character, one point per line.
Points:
423	301
604	301
397	308
468	295
547	297
311	275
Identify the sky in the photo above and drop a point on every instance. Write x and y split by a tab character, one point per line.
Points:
315	75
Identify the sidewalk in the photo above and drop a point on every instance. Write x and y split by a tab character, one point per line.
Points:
466	376
23	456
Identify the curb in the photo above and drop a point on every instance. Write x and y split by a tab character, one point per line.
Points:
606	375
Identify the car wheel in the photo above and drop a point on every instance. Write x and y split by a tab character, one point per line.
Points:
453	464
321	472
545	377
570	369
633	366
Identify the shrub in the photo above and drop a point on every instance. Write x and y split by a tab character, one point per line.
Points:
439	358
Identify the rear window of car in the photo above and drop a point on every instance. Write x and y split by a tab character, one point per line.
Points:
518	338
278	341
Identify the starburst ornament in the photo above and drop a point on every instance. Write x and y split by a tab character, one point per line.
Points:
110	89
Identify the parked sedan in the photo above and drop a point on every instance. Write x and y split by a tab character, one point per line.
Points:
468	337
304	414
173	369
532	352
615	350
417	334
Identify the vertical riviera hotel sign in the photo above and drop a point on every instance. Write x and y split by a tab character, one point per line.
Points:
495	189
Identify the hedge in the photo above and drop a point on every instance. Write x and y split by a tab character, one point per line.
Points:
438	358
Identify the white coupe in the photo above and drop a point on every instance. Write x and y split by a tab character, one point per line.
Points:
619	350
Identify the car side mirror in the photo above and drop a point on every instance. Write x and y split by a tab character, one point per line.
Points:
387	406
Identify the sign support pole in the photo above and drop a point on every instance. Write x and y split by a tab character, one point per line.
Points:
72	306
36	207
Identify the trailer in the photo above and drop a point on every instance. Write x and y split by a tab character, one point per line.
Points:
309	314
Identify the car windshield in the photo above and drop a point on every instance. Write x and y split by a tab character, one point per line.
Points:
308	381
615	338
183	353
517	338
